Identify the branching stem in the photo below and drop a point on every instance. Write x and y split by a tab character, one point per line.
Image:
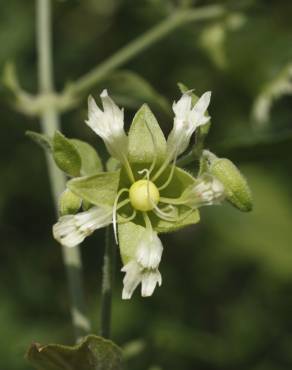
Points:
158	32
107	284
49	124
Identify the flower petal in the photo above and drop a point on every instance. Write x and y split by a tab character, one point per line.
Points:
149	250
132	278
149	281
109	125
206	191
186	120
71	230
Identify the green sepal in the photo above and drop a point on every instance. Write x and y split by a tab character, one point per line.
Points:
86	205
44	141
69	203
129	235
100	189
66	155
112	164
146	140
185	217
93	353
237	190
90	161
180	181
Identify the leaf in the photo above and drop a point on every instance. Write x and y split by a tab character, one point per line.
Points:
90	161
129	236
100	189
93	353
44	141
131	90
181	179
146	140
66	155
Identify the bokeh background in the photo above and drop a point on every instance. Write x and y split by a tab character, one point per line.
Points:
226	298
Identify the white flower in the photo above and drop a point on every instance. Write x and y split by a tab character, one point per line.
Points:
136	274
150	279
109	125
149	250
71	230
186	120
207	191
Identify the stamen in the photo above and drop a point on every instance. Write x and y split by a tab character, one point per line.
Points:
130	218
170	176
147	221
168	160
155	149
176	201
164	216
115	208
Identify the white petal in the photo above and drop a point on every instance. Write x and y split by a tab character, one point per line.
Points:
186	121
71	230
182	107
109	125
202	104
149	250
132	278
149	281
207	191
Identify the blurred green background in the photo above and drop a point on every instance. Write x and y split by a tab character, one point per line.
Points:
226	298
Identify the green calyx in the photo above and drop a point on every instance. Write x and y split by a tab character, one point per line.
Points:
238	192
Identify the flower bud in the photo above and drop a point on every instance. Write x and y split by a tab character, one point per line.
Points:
69	203
236	187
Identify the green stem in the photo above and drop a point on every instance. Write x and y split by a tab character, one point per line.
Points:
107	284
49	124
180	17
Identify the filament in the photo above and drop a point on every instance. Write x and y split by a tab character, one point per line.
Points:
115	208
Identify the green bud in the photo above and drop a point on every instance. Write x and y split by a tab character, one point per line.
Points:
237	190
69	203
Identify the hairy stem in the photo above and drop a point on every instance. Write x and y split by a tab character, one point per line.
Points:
49	124
180	17
107	284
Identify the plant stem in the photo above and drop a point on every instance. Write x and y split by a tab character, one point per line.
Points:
107	284
180	17
49	124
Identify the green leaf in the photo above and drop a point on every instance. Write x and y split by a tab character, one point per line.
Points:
180	181
129	236
44	141
131	90
93	353
90	161
66	155
100	189
146	140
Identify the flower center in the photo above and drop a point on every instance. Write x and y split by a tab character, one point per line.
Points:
144	195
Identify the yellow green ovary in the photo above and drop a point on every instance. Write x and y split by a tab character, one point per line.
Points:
144	195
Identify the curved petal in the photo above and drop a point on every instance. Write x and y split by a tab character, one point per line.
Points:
71	230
